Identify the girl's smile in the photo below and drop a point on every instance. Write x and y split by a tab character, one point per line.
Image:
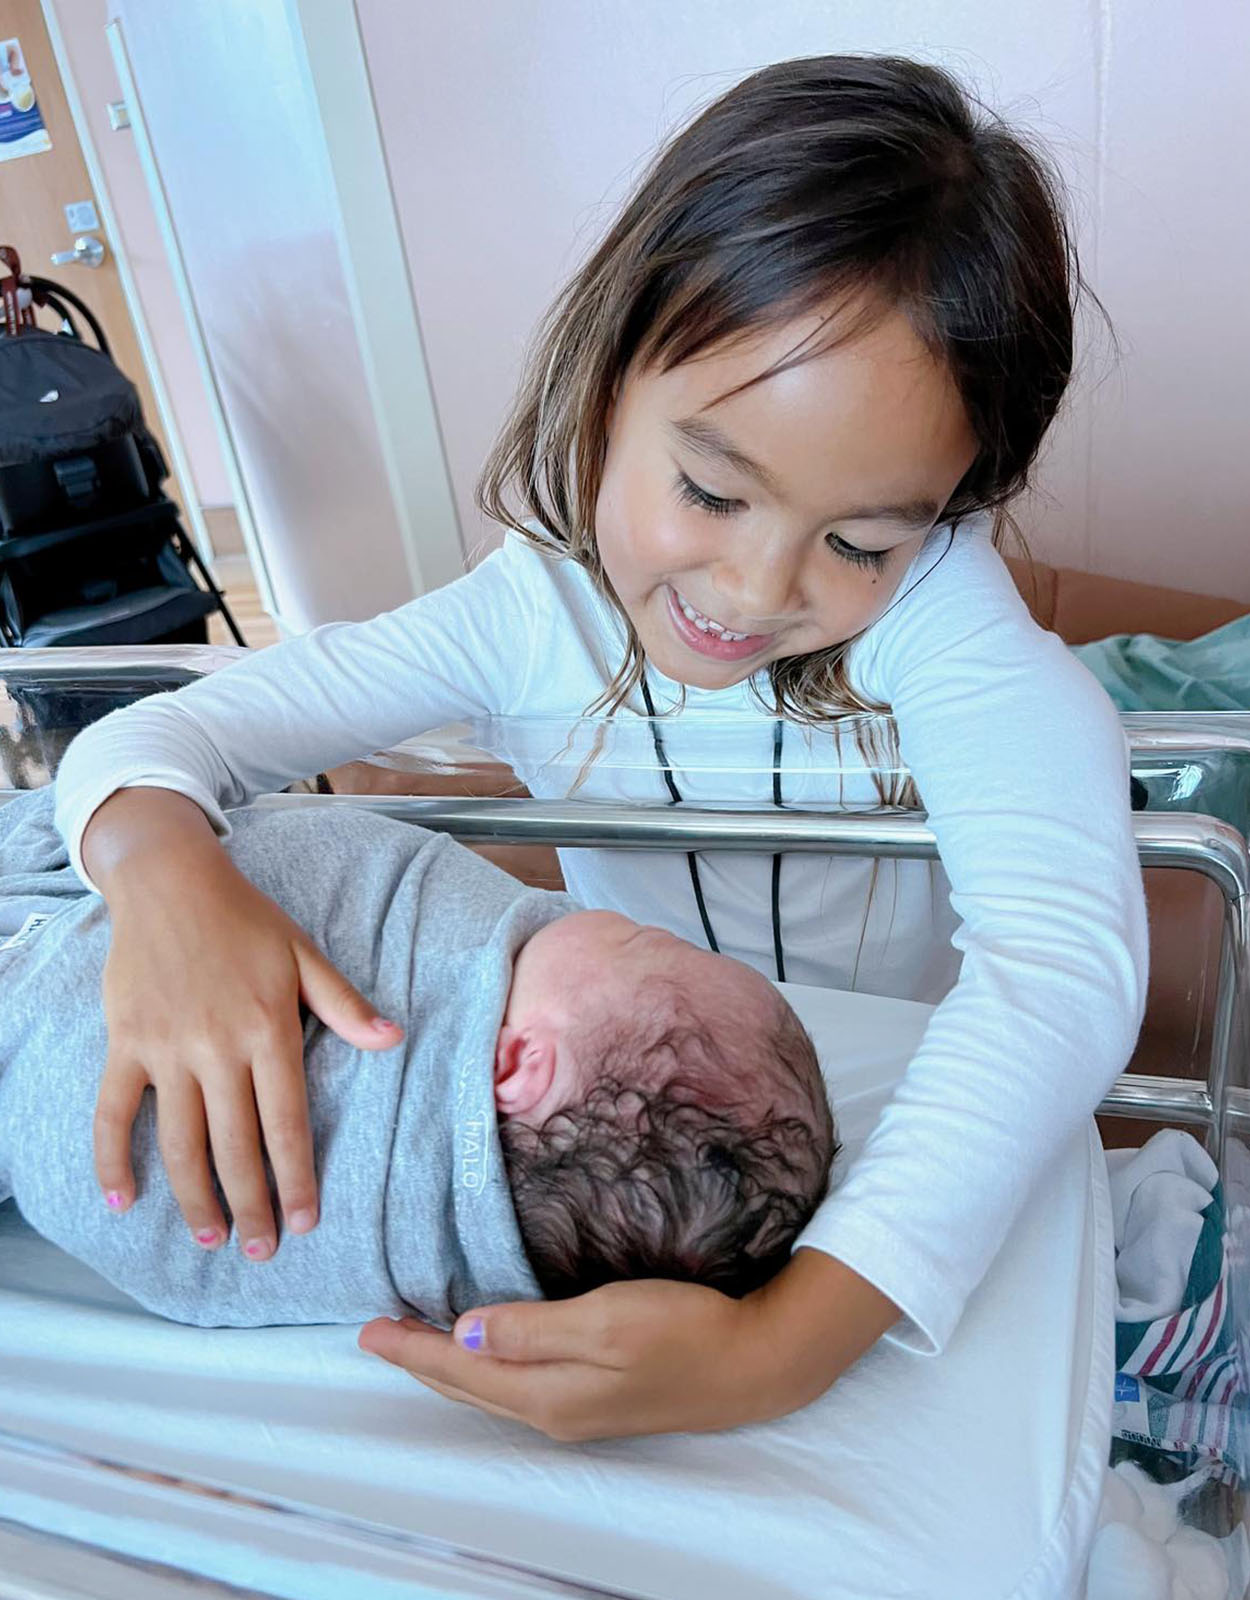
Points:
746	518
708	637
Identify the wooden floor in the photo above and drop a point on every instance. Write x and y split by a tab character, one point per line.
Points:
255	624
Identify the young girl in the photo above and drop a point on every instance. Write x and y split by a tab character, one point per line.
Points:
833	323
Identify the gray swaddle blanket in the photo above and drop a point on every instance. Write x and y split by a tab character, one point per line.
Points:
415	1206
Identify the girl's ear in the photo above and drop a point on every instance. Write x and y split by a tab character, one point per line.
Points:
525	1067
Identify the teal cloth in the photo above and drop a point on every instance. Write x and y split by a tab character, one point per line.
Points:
1144	673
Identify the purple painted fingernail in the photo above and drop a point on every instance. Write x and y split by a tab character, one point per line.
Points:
474	1336
114	1200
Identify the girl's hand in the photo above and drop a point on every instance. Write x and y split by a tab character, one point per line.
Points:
202	990
649	1357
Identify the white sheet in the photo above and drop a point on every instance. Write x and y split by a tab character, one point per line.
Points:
973	1475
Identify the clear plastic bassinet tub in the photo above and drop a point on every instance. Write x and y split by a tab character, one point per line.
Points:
138	1457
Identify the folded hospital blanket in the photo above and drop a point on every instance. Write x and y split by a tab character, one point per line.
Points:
1158	1197
1179	1381
416	1210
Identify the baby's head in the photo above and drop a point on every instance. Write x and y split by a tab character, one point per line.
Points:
661	1110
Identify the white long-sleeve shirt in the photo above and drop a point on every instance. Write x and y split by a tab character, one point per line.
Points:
1019	760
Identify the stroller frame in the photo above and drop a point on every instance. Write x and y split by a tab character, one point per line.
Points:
155	511
35	291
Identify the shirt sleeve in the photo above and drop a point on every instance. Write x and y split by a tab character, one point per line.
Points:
1022	765
340	692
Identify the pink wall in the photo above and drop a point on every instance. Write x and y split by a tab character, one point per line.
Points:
82	28
513	126
1172	434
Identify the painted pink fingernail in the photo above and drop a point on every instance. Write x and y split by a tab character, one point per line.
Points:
208	1237
381	1025
257	1249
115	1200
474	1336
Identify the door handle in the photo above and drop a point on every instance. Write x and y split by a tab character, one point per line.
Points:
87	252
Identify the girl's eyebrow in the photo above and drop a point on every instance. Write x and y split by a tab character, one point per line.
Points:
918	513
709	440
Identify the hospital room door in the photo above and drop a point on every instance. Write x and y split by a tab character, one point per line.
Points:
48	204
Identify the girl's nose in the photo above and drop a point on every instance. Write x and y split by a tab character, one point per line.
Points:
760	586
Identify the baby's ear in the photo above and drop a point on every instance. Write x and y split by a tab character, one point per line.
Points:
525	1065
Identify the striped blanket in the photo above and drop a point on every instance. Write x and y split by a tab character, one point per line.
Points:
1179	1384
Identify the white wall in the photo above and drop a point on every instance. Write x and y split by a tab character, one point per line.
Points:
238	139
513	127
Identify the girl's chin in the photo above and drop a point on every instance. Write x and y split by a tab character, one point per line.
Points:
680	666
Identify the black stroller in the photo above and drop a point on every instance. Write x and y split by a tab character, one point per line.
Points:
92	551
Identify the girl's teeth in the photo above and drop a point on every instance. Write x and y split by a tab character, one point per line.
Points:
705	624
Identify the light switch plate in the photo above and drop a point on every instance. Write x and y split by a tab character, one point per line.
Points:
82	217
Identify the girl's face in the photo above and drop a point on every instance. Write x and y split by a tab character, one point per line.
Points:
778	521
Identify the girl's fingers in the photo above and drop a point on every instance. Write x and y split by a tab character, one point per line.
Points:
401	1341
531	1331
547	1397
343	1009
282	1103
430	1356
121	1090
234	1133
182	1133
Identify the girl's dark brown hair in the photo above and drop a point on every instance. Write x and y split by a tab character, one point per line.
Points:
832	183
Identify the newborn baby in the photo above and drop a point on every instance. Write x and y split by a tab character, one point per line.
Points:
577	1098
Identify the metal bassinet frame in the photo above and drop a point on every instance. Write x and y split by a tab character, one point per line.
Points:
1178	758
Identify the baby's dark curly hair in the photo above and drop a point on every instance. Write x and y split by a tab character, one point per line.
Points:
688	1177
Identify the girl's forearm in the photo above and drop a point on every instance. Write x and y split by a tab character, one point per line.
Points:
135	825
812	1322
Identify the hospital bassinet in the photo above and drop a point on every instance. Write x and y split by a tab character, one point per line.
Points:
137	1458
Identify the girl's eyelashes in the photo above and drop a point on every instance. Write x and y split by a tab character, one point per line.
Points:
858	557
689	492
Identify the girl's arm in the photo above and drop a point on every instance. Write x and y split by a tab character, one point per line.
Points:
1022	766
311	703
650	1357
1021	763
205	976
187	933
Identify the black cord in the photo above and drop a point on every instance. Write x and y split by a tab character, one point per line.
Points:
661	755
779	954
692	861
657	740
